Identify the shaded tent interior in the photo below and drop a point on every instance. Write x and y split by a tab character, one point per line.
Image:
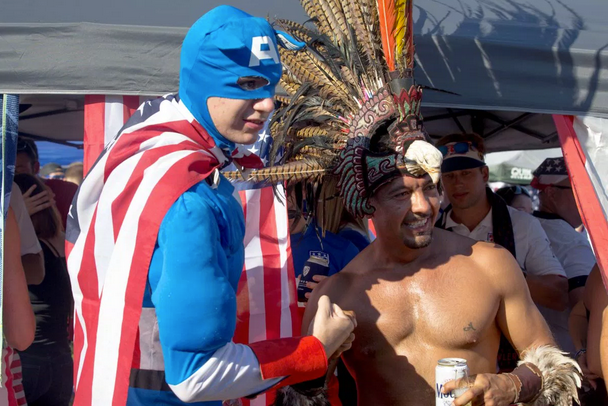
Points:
511	63
60	118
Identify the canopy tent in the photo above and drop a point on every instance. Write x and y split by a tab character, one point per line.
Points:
506	59
512	63
516	167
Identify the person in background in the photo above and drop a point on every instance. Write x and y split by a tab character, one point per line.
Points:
61	191
354	230
315	242
321	243
74	173
478	213
52	170
18	318
517	197
589	330
559	216
47	363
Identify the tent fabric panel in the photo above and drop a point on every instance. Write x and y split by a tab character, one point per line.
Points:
89	58
494	75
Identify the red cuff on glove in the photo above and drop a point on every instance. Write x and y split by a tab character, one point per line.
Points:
299	359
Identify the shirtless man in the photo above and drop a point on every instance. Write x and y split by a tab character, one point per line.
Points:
422	294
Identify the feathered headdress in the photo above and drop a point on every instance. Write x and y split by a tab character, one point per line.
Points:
353	108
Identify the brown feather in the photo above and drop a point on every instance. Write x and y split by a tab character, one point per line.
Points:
290	172
307	69
309	7
335	17
321	21
282	99
307	132
289	86
354	17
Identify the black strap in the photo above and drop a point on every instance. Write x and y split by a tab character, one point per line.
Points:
148	379
577	282
502	227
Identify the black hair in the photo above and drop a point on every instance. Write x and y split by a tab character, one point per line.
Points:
28	147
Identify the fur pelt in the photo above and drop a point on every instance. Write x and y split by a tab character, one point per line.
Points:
561	376
288	396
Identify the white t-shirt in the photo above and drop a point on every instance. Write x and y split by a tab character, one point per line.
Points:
574	253
29	240
532	248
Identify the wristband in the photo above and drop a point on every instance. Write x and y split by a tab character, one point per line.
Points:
531	382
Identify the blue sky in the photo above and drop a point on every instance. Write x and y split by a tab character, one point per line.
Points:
61	154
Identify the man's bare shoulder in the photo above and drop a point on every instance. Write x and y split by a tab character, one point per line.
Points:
488	257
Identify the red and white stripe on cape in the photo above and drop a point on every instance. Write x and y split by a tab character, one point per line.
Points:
266	296
584	143
11	389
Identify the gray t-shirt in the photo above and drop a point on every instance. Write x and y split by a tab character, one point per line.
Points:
573	251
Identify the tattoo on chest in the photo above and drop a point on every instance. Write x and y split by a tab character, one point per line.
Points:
469	327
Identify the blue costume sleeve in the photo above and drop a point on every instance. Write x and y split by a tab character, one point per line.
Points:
193	283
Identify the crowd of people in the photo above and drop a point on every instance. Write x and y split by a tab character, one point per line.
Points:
549	244
451	269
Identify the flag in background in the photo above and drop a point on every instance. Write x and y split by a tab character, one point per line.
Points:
266	296
104	116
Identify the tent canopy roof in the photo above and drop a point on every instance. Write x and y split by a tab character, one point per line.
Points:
542	56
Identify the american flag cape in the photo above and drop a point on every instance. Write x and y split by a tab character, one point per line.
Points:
159	154
266	292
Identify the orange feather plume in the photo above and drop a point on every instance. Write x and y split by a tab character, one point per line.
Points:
386	14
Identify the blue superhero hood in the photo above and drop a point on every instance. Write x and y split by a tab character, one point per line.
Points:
224	45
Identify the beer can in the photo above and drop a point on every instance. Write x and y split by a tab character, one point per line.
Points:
448	369
317	264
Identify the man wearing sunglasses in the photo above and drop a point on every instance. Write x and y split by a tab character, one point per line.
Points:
476	212
156	209
559	216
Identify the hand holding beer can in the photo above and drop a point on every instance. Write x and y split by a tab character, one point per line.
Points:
449	369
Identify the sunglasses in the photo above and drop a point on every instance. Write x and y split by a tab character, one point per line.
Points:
456	148
25	146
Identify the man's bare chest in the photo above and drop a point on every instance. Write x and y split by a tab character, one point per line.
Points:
422	313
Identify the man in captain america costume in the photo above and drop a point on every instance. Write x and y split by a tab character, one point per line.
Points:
156	223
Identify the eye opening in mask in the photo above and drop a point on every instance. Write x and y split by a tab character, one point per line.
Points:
250	83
